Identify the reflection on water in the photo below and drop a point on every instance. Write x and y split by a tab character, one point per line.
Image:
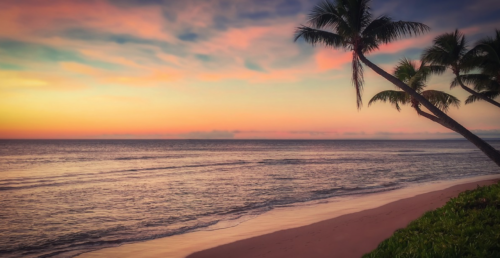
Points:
61	197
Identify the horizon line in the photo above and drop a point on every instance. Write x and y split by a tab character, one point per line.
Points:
231	139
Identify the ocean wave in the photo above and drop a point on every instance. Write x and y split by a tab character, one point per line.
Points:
341	191
316	161
84	178
151	157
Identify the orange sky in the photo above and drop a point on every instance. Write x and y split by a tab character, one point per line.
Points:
191	69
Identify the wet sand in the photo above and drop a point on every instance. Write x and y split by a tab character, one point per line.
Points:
346	227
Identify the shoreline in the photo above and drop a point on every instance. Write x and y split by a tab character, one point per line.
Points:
357	223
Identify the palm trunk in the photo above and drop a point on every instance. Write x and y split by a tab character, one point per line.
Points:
432	118
491	152
475	93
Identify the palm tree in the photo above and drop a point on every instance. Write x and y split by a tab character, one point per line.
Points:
487	83
450	50
416	77
349	25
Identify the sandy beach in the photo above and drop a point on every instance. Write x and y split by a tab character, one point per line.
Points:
345	227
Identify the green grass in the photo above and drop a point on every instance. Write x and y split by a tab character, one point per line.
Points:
466	226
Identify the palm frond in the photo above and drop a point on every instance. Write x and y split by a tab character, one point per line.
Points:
422	75
472	59
344	10
447	50
486	94
357	78
489	52
325	15
405	70
480	81
434	69
314	36
491	45
358	14
441	100
393	97
437	55
385	30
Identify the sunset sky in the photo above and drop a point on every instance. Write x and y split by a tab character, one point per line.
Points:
176	69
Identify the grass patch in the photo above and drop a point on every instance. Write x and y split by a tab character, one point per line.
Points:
466	226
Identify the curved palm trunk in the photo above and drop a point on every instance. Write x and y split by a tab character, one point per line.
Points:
491	152
475	93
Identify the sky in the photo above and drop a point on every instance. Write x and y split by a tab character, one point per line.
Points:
212	69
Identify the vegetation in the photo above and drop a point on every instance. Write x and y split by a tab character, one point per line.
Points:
487	83
467	226
350	25
450	50
416	77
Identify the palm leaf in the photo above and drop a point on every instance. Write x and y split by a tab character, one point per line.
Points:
385	30
405	70
480	81
489	52
325	14
314	36
391	96
486	94
433	69
441	99
437	55
448	50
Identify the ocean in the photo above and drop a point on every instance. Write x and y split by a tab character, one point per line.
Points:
60	198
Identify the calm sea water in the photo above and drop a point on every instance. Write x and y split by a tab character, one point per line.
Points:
62	197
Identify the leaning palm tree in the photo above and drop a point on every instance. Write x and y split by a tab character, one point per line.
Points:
416	77
450	50
349	25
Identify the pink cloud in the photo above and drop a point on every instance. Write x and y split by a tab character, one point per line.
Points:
144	22
400	45
328	58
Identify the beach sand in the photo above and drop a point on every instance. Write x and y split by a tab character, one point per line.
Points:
343	227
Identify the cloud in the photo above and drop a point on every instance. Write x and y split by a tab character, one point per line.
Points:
492	133
354	133
328	58
254	66
257	134
27	50
315	133
208	135
96	35
16	80
495	133
7	66
188	36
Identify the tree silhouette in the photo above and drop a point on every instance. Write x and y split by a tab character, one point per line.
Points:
450	50
487	83
349	25
416	77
